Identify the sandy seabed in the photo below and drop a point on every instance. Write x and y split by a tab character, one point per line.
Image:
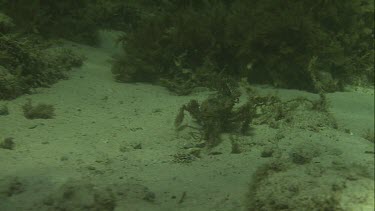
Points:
112	146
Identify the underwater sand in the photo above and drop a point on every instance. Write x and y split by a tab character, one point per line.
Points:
121	137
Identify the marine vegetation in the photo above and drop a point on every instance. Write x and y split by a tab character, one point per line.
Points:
179	44
26	63
67	19
265	41
75	20
39	111
218	114
235	107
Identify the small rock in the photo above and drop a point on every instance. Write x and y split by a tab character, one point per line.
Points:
33	126
64	158
149	196
137	146
91	168
7	143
